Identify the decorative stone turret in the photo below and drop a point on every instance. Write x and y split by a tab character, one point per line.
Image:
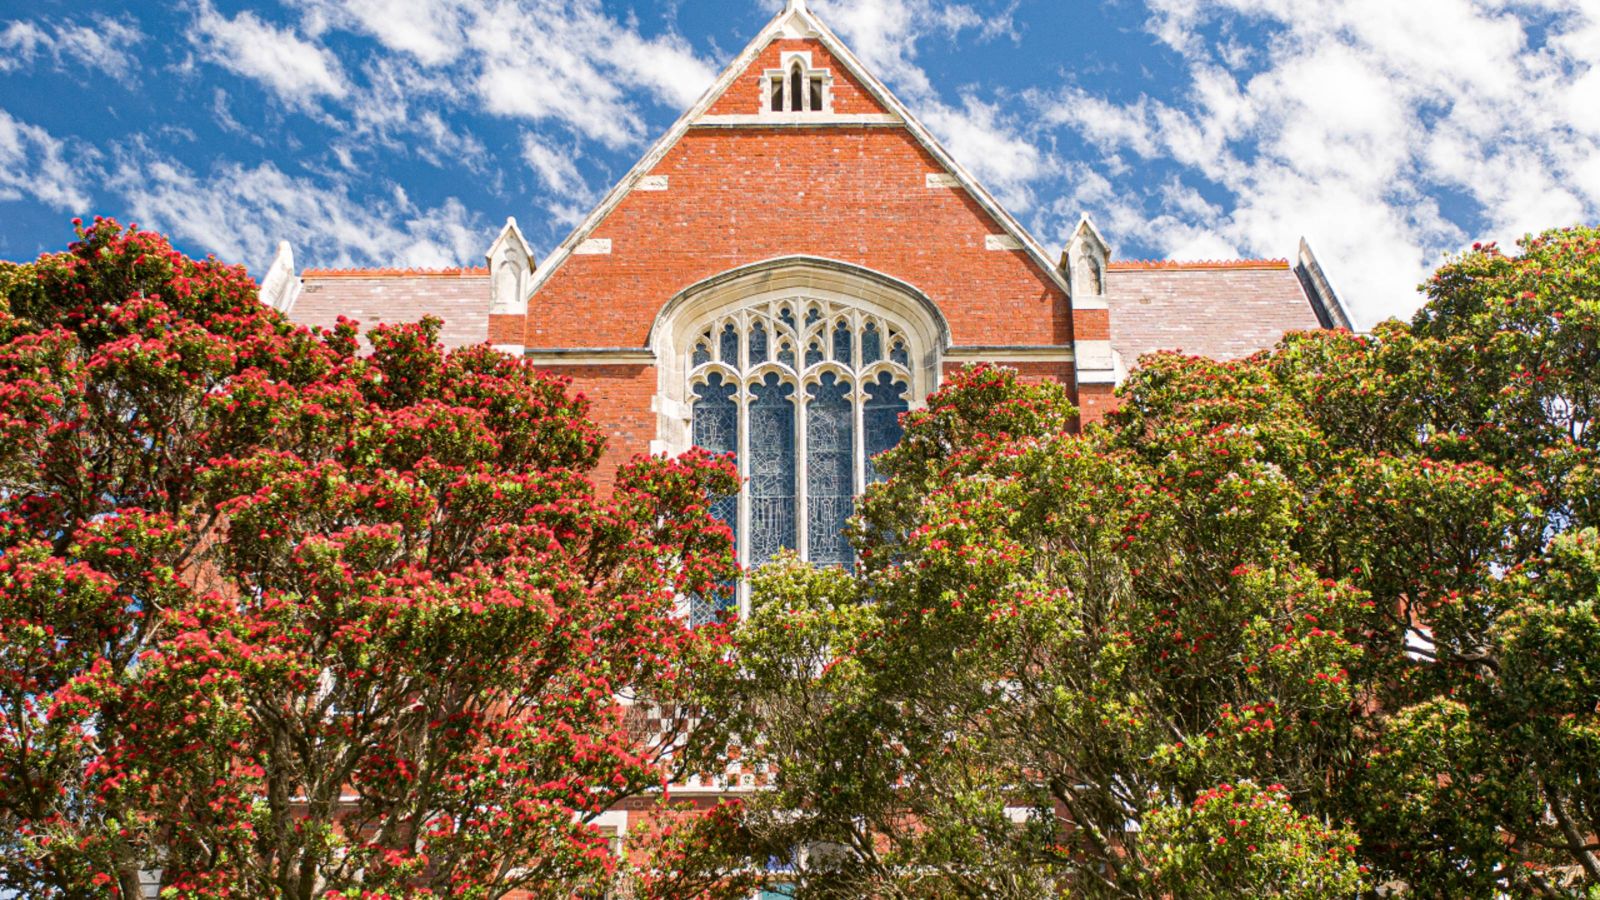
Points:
280	287
511	266
1085	262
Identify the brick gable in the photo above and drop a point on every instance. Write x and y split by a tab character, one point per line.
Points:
746	96
738	196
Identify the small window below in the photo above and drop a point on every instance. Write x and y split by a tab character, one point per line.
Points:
797	92
795	88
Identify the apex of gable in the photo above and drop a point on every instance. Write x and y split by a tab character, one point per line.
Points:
796	21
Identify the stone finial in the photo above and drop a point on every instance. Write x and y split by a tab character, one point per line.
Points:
280	287
510	270
1084	261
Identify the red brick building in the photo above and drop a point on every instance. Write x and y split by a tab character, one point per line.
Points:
794	263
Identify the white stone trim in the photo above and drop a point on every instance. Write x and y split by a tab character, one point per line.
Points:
722	296
594	247
1086	262
652	183
799	119
1001	242
786	64
590	356
942	180
1097	363
508	349
1061	353
511	267
280	287
1095	355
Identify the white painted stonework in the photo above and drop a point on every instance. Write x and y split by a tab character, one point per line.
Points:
943	180
653	183
1001	242
594	247
511	267
280	288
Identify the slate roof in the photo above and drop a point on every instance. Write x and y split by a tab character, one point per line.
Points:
1222	309
394	296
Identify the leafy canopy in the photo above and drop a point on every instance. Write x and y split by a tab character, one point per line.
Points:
278	618
1299	625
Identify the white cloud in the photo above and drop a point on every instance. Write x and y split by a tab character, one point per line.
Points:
19	45
989	142
297	70
240	213
1350	120
991	145
556	166
398	110
558	62
33	164
885	33
104	43
428	30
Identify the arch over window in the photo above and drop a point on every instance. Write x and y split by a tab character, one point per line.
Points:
796	87
801	367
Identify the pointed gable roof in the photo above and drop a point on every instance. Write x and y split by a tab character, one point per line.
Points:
797	21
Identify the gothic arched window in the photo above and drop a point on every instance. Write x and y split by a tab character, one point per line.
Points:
796	88
804	391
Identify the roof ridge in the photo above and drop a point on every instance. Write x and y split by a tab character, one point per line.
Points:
397	272
1198	264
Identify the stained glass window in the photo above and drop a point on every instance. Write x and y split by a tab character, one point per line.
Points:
716	428
871	344
841	343
730	345
830	470
813	354
899	355
816	375
758	344
772	468
880	418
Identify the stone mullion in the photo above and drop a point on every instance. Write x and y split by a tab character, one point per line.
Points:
802	525
743	529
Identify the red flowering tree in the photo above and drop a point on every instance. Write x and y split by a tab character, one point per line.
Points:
1294	625
279	619
1053	647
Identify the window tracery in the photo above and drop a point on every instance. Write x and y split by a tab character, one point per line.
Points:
801	391
797	88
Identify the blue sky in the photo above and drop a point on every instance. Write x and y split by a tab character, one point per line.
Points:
403	132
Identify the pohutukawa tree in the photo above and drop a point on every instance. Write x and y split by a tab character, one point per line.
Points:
1297	625
280	618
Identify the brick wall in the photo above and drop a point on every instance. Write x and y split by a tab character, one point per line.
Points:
620	396
741	196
